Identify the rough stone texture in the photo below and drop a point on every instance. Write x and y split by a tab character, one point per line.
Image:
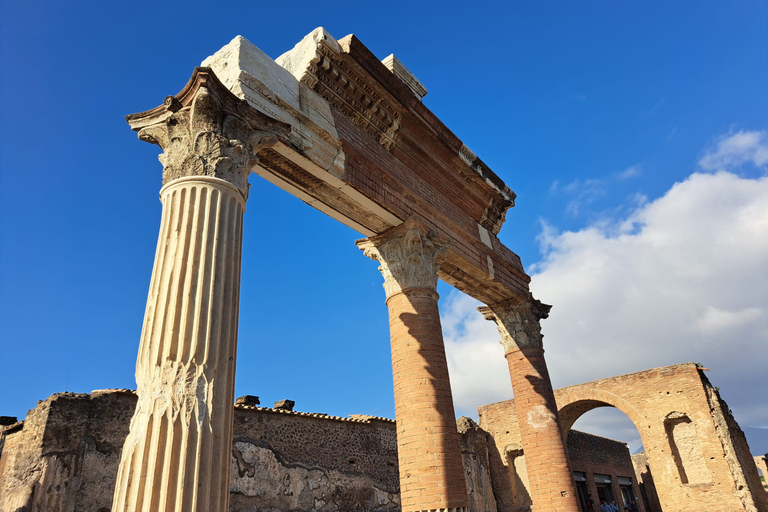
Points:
685	428
249	400
746	481
297	461
285	404
64	458
509	473
477	464
762	464
645	483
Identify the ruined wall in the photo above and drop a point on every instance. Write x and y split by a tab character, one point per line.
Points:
64	458
696	451
746	481
693	450
476	454
645	482
508	470
68	443
298	461
761	462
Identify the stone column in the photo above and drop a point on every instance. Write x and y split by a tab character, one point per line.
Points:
549	472
178	452
429	452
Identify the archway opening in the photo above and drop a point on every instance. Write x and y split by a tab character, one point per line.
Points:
607	458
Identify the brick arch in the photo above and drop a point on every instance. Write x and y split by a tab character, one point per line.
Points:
698	456
574	403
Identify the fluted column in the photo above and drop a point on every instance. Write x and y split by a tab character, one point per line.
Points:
178	452
429	453
549	473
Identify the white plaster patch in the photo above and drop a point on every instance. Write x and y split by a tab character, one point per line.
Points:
490	266
484	236
540	417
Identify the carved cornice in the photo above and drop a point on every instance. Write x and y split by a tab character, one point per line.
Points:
205	130
518	321
342	87
408	254
467	155
495	214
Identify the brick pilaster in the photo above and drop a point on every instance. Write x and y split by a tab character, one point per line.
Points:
549	472
429	453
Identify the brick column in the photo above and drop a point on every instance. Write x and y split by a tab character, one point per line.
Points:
549	472
177	455
429	453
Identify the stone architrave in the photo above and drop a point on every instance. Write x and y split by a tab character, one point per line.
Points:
429	452
177	455
549	473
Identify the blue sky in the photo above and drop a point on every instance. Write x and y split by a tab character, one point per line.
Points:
635	135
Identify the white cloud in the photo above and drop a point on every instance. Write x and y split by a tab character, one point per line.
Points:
736	149
588	191
689	283
632	171
681	279
479	373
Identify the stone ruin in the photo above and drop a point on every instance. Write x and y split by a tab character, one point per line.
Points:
64	457
349	135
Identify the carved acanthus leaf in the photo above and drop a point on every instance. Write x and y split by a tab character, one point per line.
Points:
205	130
518	321
409	255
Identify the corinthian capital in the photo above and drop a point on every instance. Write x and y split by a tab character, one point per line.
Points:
518	321
408	254
205	130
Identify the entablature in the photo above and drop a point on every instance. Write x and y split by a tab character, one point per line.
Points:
354	140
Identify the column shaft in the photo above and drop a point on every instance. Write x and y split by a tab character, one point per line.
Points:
177	454
428	443
549	473
429	451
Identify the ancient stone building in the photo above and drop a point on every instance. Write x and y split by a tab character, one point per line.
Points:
64	457
347	133
697	455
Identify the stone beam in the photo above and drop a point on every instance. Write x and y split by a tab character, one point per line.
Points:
365	150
